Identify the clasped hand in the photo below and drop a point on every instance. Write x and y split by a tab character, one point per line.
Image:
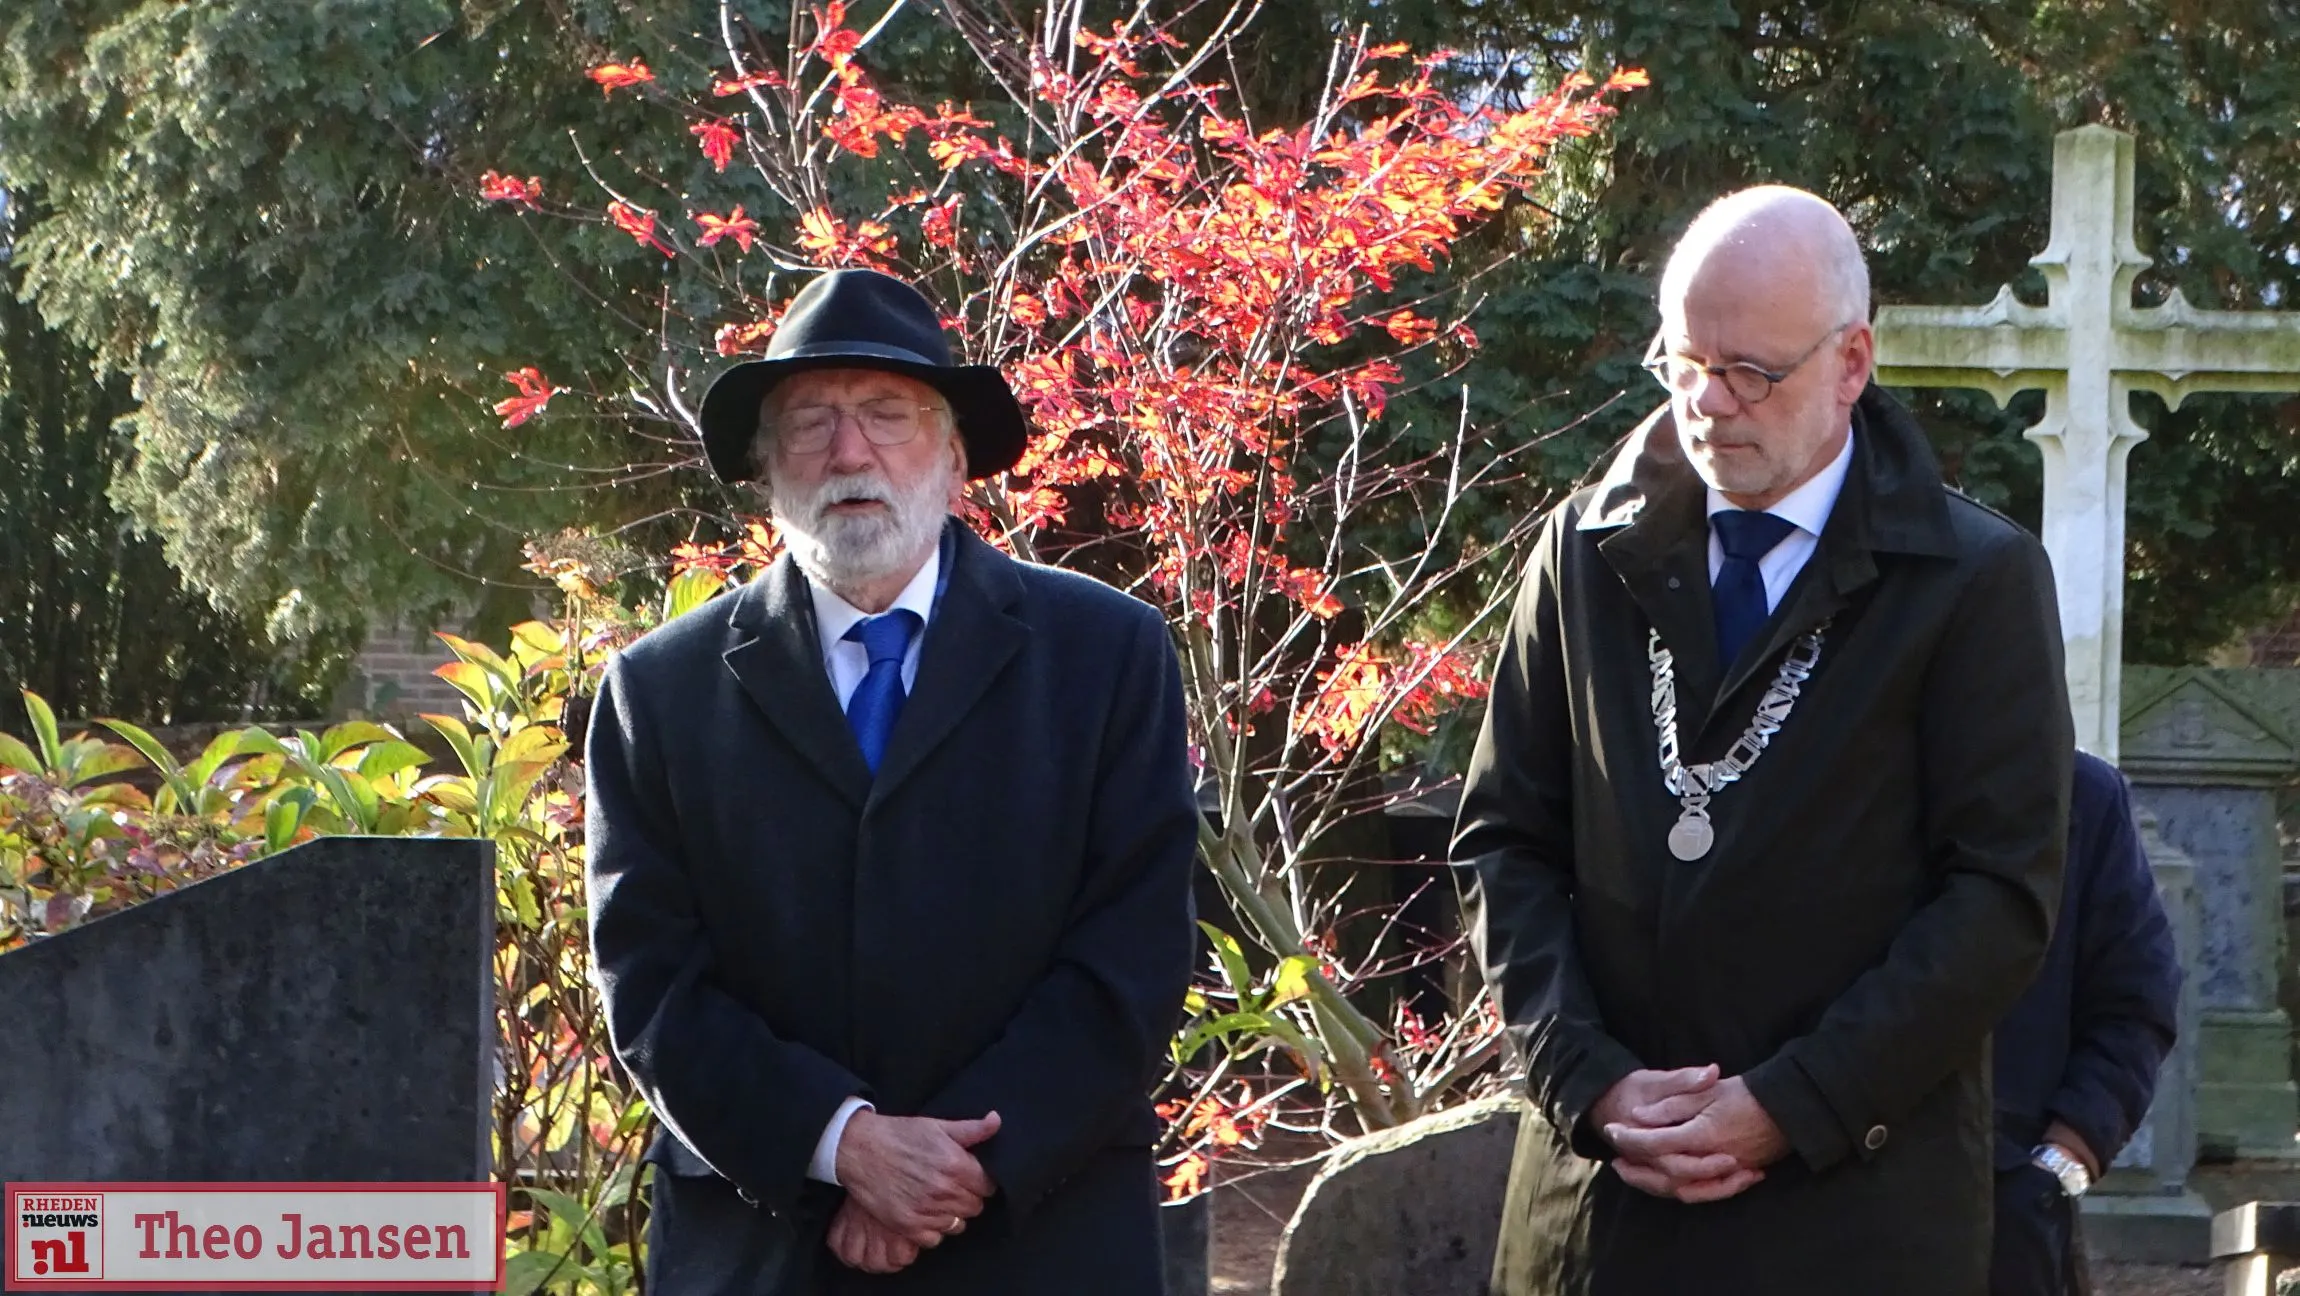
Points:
911	1182
1687	1134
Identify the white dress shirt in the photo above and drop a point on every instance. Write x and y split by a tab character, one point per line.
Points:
1807	508
848	661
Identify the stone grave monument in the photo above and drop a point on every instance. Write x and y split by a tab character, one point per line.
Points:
2207	760
2088	349
2143	1209
1412	1209
324	1014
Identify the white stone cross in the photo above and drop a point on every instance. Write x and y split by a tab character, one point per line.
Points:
2088	349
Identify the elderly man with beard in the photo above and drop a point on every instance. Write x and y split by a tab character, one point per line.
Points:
889	858
1767	818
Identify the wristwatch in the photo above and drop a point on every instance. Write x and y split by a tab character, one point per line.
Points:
2055	1161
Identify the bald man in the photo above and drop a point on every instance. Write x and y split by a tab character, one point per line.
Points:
1764	828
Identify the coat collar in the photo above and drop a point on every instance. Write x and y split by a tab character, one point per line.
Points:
776	654
1652	511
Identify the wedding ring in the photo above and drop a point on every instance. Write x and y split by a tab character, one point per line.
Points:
957	1222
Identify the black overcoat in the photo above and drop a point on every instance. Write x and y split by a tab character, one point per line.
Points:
1882	885
1000	920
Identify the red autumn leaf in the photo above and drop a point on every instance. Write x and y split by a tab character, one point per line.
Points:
938	226
735	225
734	339
1410	329
715	559
502	188
534	393
762	79
832	243
617	76
1188	1179
639	223
718	139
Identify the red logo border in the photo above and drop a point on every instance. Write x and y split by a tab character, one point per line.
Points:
10	1281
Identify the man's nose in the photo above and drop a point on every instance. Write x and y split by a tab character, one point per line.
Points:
1712	398
850	450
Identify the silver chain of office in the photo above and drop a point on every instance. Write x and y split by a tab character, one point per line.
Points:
1694	785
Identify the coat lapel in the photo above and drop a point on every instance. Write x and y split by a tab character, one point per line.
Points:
1659	547
970	640
1893	501
779	662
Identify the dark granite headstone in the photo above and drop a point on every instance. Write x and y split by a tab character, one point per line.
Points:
1186	1234
325	1014
2255	1245
1416	1209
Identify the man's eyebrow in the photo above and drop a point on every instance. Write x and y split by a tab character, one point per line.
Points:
1729	357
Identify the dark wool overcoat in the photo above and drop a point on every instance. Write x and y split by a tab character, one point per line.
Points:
1882	885
999	920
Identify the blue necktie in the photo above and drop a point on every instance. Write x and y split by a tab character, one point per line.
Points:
878	699
1746	536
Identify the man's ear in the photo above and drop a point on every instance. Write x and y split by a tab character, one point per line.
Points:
1859	352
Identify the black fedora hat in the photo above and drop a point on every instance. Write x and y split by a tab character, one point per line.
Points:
861	319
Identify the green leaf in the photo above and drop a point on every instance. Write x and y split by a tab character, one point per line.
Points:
15	755
387	758
352	733
633	1117
1232	958
86	759
459	737
353	796
44	729
1224	1028
1292	981
222	748
565	1209
260	742
473	682
525	1271
185	792
284	818
691	589
450	790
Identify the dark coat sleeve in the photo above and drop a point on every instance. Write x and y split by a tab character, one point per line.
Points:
1995	746
2126	1005
1513	843
1075	1063
751	1105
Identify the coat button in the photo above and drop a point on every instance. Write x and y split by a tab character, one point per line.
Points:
1674	582
1875	1139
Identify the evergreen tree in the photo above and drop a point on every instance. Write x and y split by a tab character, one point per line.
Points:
1930	124
92	618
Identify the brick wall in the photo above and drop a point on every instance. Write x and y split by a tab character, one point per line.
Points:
392	676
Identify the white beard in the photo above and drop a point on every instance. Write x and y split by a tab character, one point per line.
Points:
843	553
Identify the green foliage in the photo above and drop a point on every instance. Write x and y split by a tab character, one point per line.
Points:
77	842
269	217
91	615
1931	125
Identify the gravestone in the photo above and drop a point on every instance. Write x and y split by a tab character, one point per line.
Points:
2207	759
2255	1244
1413	1209
2143	1210
2088	349
324	1014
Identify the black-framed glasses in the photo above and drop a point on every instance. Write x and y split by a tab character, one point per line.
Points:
1749	383
889	421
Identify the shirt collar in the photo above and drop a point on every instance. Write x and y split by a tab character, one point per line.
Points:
1807	507
835	616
